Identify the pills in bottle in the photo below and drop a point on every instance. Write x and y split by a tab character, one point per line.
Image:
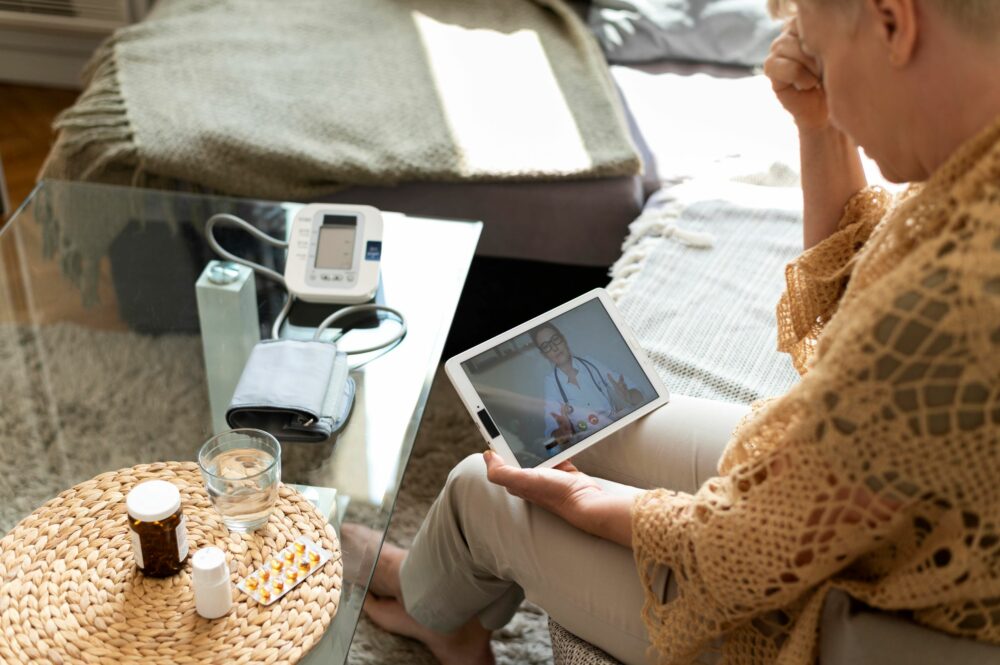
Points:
157	528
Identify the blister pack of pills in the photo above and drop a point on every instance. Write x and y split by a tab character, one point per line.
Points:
284	570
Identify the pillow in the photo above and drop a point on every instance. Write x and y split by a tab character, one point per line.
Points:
733	32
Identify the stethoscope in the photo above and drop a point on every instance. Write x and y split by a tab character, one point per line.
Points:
591	368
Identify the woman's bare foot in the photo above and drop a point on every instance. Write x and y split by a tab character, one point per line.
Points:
385	579
468	645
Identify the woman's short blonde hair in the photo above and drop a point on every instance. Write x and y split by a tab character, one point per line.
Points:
977	17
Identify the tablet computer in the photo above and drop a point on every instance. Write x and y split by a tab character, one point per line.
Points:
557	384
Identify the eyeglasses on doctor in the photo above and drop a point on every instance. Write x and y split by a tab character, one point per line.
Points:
554	341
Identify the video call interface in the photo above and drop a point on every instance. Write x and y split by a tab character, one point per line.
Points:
551	388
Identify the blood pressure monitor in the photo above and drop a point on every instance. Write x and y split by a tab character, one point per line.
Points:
334	252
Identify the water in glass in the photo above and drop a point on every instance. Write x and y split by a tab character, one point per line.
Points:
244	497
242	470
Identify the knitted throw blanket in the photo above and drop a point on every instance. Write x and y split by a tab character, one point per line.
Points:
703	319
877	472
288	100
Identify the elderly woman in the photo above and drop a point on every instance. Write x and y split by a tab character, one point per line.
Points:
876	474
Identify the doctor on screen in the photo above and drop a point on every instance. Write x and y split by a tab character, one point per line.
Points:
582	394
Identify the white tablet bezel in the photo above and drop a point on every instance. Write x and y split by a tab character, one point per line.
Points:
474	403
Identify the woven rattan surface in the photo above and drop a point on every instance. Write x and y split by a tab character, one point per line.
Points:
72	594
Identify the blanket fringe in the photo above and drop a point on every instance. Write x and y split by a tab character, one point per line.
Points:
94	135
97	124
644	234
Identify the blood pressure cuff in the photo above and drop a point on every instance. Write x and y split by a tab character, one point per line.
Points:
296	390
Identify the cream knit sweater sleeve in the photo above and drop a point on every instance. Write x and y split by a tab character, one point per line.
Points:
877	472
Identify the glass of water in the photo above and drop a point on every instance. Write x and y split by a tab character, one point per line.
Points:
242	469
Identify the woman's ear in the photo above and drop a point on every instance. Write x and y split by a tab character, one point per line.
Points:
896	25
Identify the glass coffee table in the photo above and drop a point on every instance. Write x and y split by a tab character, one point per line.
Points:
102	362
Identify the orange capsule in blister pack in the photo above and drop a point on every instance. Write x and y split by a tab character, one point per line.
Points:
284	570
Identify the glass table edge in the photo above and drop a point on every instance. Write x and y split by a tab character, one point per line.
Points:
414	426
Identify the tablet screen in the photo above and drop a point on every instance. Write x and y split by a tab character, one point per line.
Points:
554	386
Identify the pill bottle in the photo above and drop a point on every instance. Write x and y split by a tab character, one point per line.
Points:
157	528
213	590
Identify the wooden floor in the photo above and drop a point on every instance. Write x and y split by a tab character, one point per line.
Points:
32	289
26	115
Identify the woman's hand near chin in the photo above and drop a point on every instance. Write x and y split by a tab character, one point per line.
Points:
567	492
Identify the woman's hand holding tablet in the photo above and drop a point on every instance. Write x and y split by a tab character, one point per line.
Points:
568	493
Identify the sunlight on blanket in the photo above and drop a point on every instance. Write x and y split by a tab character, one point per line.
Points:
482	79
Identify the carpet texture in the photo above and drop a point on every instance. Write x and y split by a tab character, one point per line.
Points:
82	394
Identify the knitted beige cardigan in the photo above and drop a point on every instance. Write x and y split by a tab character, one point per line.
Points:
879	473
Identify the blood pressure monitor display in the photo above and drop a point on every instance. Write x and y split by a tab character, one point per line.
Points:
335	249
334	252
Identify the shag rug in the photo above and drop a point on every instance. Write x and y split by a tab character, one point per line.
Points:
77	391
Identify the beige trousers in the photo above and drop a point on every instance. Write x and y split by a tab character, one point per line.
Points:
480	551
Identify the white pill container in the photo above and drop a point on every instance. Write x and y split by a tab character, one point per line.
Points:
213	592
